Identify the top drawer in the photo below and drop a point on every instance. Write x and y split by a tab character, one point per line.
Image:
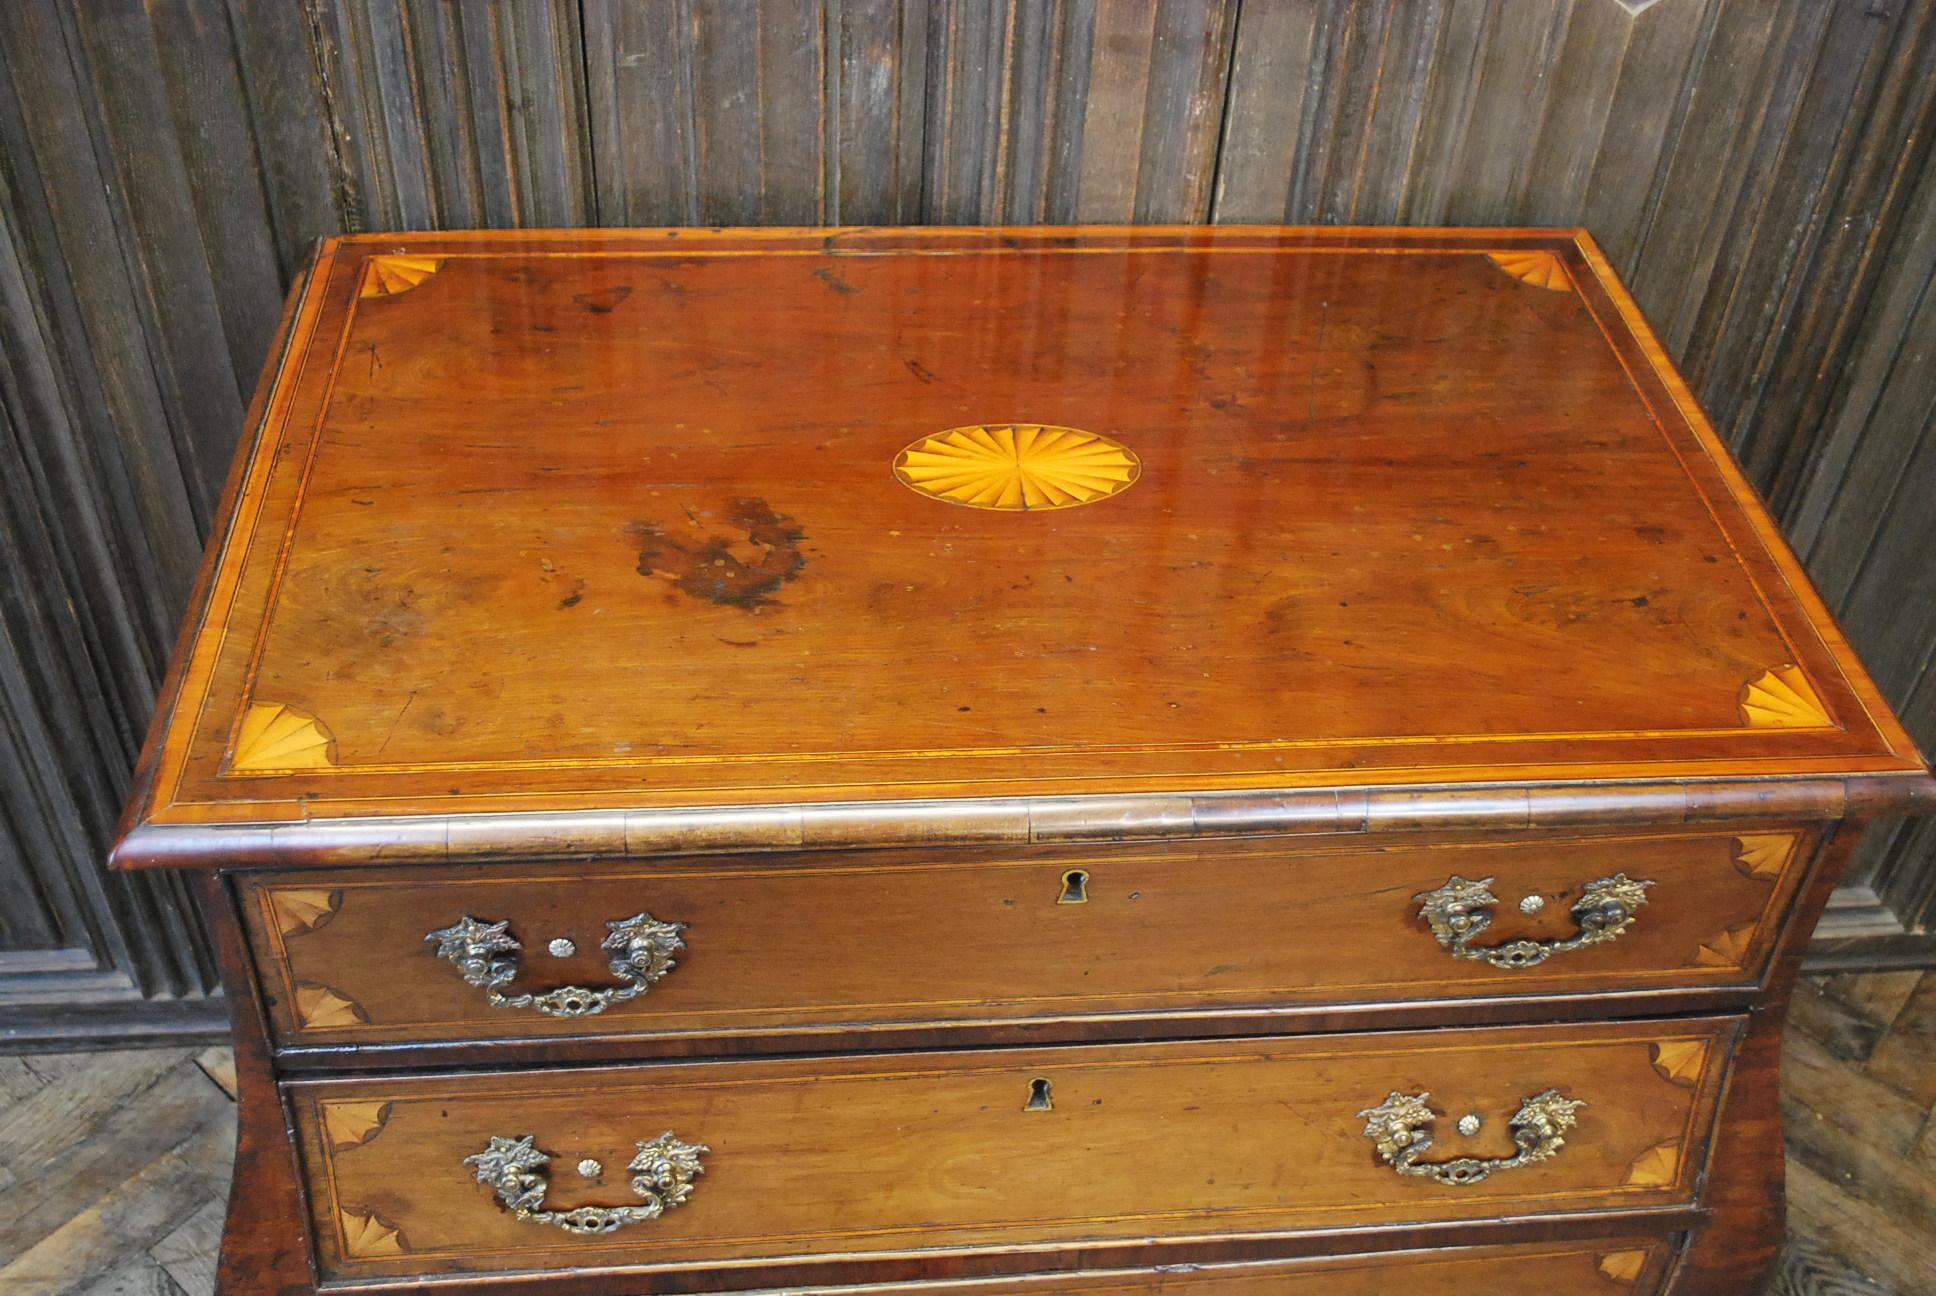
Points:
856	947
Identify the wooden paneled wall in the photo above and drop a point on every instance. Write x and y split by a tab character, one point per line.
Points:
1759	169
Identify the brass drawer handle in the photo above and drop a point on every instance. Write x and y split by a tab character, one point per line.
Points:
1401	1127
1460	910
662	1175
487	954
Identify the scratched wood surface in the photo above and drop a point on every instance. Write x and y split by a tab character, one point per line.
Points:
1759	171
113	1164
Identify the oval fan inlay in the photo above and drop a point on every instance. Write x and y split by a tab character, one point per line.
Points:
1017	467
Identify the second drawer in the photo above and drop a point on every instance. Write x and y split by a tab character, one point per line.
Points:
847	947
792	1166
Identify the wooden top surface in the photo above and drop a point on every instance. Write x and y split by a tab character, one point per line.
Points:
640	522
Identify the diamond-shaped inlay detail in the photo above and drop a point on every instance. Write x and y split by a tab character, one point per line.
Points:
1017	467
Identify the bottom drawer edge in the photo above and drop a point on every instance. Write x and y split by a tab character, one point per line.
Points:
1629	1257
1615	1266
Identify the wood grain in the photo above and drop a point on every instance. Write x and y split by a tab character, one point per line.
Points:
1840	1243
1756	170
959	1117
830	949
1650	659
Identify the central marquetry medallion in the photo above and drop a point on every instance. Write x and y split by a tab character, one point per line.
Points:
1017	467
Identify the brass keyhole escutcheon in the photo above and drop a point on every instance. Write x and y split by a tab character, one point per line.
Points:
1041	1096
1075	887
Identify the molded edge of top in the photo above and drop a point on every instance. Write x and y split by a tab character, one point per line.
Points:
1014	821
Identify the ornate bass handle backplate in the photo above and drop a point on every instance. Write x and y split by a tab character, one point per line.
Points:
1401	1128
487	954
662	1175
1460	910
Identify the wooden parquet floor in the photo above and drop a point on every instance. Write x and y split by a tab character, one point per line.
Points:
114	1165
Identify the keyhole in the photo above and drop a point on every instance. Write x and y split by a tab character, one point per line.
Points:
1075	887
1040	1099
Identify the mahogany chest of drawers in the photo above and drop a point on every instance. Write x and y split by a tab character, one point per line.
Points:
1218	762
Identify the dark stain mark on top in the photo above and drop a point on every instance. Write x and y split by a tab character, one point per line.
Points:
603	302
740	571
919	370
831	277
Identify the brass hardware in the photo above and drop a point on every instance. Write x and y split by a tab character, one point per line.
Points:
1041	1096
1458	911
590	1168
662	1175
1075	887
1469	1124
1532	904
487	954
561	948
1401	1128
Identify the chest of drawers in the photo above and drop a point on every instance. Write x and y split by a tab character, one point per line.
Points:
1001	762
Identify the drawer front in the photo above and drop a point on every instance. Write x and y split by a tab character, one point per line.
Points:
1631	1266
802	945
1005	1152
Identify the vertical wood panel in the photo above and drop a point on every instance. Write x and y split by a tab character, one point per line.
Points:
456	116
878	86
638	80
290	128
1761	170
1649	101
1828	72
142	263
711	113
72	237
987	65
1080	110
